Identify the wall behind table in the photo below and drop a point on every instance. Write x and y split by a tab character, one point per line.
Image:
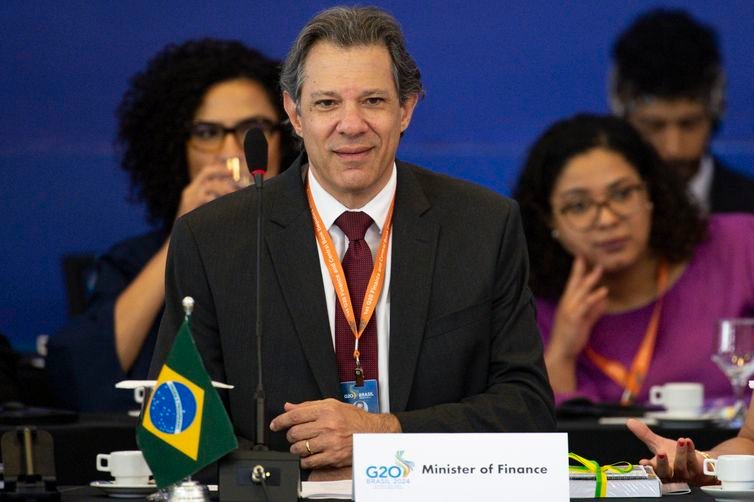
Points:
496	74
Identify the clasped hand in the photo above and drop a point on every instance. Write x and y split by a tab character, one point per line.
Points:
321	432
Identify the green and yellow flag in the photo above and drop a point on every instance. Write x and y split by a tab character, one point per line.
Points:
183	426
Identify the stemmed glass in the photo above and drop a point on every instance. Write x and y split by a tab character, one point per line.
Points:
735	356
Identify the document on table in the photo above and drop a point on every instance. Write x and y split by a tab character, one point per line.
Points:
342	489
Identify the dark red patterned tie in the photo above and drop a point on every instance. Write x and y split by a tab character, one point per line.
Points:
357	266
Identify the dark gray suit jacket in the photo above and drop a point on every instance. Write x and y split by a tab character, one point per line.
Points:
465	352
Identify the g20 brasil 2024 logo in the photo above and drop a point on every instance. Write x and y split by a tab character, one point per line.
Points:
391	474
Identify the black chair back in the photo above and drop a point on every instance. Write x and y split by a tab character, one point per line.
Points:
76	272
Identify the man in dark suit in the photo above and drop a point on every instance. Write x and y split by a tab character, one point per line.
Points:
454	346
668	81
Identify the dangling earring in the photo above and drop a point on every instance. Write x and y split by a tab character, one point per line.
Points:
555	234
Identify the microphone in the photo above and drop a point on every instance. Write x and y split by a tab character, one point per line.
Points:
259	474
255	150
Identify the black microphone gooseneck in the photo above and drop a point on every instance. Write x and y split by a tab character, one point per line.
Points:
259	474
255	149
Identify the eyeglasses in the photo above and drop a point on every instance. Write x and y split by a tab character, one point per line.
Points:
209	136
583	213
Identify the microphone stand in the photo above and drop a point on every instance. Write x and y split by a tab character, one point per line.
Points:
259	443
259	474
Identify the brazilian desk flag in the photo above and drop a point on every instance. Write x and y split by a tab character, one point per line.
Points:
183	426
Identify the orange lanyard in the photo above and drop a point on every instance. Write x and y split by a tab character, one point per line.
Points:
632	380
337	276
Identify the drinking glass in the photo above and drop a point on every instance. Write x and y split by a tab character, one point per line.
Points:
735	356
238	171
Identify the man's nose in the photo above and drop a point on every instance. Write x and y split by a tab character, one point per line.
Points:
671	144
351	120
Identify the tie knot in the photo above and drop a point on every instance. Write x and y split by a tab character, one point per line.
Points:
354	224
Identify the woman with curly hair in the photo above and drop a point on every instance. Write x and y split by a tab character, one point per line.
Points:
630	280
182	124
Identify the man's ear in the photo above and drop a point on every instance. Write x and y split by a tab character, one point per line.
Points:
292	111
407	111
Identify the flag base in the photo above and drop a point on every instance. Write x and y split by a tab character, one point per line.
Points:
188	491
253	475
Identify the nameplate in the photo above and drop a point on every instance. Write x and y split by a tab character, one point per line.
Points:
479	467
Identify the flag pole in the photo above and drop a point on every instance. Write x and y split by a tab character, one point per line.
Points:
188	307
188	489
184	426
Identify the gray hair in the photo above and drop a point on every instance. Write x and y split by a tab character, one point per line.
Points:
351	27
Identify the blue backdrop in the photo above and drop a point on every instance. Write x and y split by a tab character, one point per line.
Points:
496	74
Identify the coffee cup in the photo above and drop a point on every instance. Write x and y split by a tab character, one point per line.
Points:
139	394
127	467
679	398
735	472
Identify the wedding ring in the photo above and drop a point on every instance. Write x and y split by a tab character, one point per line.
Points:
308	448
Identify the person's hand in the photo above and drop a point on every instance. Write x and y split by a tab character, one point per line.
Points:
321	432
674	460
580	306
213	181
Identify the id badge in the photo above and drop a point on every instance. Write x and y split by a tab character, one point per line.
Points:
365	397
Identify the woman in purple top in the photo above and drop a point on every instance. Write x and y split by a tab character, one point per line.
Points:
630	280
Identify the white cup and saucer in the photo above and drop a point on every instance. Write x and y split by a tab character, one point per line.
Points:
736	475
130	472
683	403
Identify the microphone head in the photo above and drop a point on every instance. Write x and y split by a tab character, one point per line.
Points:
255	149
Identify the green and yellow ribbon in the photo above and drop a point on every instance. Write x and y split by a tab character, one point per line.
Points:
600	472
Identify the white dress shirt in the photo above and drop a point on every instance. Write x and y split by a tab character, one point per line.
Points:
329	209
700	185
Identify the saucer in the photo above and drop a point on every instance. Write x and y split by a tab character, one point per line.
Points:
679	420
728	495
124	491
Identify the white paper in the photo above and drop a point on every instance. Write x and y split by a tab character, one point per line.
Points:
675	488
327	489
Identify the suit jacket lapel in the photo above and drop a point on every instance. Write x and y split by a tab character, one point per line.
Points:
293	252
414	244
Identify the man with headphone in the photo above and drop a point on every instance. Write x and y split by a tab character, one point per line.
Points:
668	81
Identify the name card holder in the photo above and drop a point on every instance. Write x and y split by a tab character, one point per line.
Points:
479	467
